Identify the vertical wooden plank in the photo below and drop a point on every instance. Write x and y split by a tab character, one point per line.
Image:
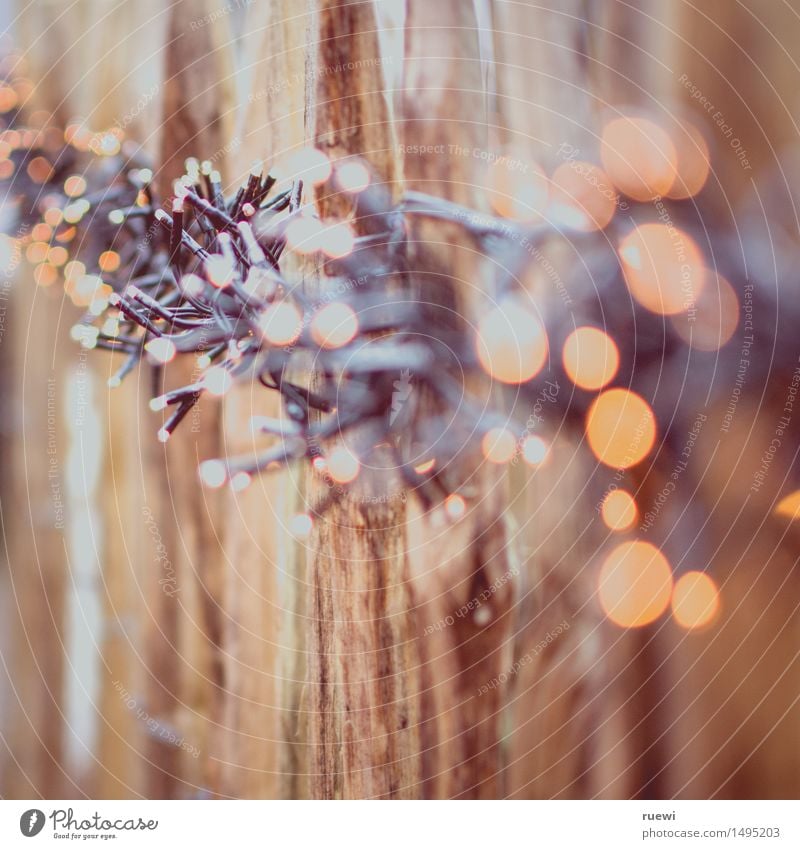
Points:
442	104
364	694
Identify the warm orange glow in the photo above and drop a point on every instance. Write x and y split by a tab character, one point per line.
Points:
511	343
663	268
635	584
517	189
619	510
6	169
108	261
639	157
621	428
41	232
74	186
498	445
334	325
66	235
695	600
39	169
693	162
424	468
715	318
591	358
534	451
281	323
36	252
45	275
789	506
57	256
8	98
343	467
74	270
583	196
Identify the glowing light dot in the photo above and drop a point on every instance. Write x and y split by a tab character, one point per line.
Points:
39	169
635	584
108	261
220	270
715	317
240	481
789	506
45	275
73	212
85	334
663	268
337	240
583	196
57	256
639	157
74	270
511	343
620	428
694	163
304	234
193	285
482	616
159	403
334	325
301	525
116	216
352	176
53	216
8	98
424	468
695	600
281	323
591	358
534	450
517	188
41	232
619	510
111	327
343	466
217	380
309	164
36	252
163	435
74	186
455	507
161	350
213	473
498	445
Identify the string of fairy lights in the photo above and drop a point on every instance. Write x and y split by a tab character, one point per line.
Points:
199	275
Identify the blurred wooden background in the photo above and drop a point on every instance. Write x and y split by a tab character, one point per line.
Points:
169	642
